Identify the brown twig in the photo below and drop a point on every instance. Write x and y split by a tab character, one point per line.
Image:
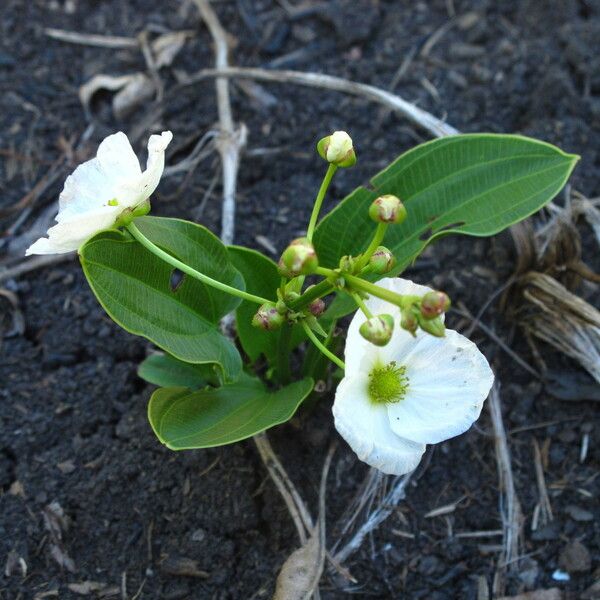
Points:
37	262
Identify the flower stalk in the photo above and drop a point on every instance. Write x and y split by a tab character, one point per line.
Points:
174	262
312	224
321	347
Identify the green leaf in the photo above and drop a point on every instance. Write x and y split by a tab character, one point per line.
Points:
473	184
167	371
197	247
262	279
134	288
182	419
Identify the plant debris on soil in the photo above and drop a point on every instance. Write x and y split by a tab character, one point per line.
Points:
91	504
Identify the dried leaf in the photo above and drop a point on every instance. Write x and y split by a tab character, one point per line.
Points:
301	572
167	46
132	91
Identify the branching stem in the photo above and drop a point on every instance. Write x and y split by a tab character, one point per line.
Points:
315	340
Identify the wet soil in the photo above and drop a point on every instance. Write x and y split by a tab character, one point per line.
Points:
88	496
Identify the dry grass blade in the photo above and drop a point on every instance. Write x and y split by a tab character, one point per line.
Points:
300	574
230	140
293	500
375	517
563	320
91	39
427	121
510	508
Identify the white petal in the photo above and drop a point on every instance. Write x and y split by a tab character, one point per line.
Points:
340	143
357	346
70	234
366	428
449	379
99	180
114	175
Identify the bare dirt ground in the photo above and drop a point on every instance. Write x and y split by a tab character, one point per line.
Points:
77	455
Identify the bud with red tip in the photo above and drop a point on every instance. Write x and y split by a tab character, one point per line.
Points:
378	330
268	317
382	261
299	258
317	307
387	209
434	304
337	149
409	321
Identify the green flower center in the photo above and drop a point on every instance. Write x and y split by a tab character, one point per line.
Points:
387	383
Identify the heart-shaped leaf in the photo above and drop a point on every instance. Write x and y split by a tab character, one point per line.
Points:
135	288
183	419
166	371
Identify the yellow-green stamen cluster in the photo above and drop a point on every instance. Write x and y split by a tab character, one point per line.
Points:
387	383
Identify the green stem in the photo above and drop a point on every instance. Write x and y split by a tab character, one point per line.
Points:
375	243
362	305
330	355
375	290
318	291
139	236
283	354
319	201
326	272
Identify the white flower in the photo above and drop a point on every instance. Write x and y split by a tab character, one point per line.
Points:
414	391
339	147
100	190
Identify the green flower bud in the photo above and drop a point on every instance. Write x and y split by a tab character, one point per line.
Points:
347	264
317	307
299	258
387	209
434	327
382	261
378	330
268	317
337	149
409	321
433	304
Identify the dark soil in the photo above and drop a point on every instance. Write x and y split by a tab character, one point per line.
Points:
74	432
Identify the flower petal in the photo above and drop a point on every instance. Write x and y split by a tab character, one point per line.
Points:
366	428
449	379
99	180
70	234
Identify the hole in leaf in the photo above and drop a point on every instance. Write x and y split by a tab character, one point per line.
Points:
452	226
176	279
426	234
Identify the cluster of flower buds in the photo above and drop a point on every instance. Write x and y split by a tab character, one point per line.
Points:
337	149
299	258
425	314
387	209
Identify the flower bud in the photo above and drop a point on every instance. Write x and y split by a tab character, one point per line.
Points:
268	317
433	304
378	330
317	307
409	321
382	261
337	149
299	258
347	264
434	327
387	209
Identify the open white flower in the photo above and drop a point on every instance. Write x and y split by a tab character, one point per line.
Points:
100	190
414	391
